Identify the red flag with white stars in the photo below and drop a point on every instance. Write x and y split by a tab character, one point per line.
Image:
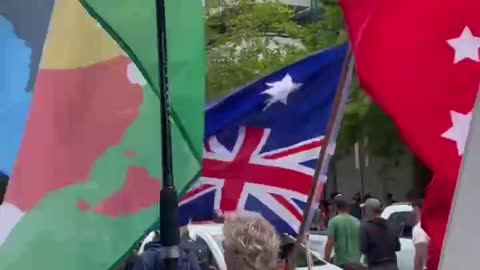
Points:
419	60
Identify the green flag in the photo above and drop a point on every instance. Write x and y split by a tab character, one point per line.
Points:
134	27
86	182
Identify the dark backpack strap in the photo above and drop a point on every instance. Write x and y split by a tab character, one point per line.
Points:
160	258
187	260
192	260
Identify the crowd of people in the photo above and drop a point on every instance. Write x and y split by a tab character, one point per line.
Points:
327	210
252	243
350	238
356	228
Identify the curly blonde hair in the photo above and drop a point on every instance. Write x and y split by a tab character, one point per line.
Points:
251	242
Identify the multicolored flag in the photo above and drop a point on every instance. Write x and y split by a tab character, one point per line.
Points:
86	181
263	142
419	60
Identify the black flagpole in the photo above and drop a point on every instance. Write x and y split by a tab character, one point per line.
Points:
169	228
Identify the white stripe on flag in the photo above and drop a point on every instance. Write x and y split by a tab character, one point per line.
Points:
10	216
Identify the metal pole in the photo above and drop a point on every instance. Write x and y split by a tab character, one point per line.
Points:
361	163
324	156
169	226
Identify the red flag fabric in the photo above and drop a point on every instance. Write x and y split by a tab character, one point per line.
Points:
419	60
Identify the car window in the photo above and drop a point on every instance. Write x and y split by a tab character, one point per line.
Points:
318	233
403	223
202	251
302	256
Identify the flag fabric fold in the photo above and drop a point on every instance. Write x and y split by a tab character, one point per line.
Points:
419	61
262	143
133	26
86	181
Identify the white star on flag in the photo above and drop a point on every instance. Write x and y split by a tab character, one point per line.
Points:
280	90
459	130
466	46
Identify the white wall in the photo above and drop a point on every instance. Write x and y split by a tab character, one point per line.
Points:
297	3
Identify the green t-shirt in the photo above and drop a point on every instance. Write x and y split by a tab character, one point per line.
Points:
345	230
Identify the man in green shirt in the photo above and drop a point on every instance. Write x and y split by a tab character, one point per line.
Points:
343	237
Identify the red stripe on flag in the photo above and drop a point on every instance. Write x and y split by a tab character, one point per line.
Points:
208	149
296	150
288	206
196	191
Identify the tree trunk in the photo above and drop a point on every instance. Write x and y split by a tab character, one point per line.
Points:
422	176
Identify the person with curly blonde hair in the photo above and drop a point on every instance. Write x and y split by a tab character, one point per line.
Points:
251	242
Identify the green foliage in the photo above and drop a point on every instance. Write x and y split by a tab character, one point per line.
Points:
364	119
245	43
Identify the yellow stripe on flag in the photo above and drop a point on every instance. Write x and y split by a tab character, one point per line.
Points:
75	39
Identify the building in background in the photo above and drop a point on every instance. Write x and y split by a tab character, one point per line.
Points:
380	177
294	3
214	6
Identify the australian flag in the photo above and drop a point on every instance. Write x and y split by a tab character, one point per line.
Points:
263	141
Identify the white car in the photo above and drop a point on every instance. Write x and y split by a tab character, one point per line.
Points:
210	237
396	208
400	214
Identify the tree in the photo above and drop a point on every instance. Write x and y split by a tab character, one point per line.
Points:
249	39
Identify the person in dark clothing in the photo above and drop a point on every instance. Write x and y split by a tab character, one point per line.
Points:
378	240
284	255
3	185
367	196
389	199
333	195
129	262
152	259
321	216
355	209
324	214
333	209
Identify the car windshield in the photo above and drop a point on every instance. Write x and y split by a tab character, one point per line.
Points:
302	257
403	223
